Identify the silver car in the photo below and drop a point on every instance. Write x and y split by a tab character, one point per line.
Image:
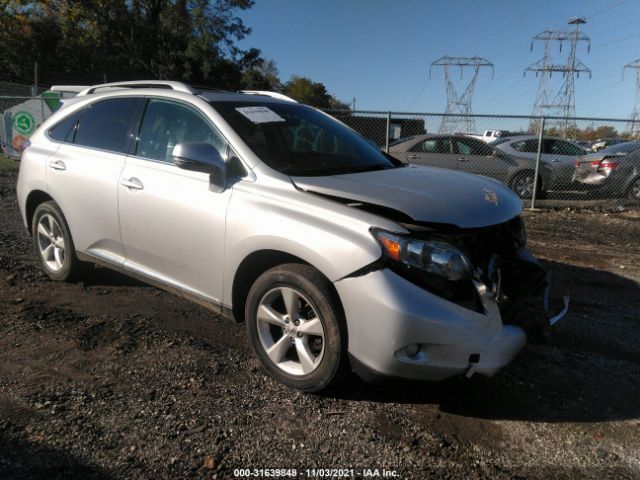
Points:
557	156
335	255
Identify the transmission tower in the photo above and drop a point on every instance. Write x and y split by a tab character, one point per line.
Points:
456	103
562	104
634	124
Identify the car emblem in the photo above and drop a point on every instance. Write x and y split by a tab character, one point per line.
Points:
490	196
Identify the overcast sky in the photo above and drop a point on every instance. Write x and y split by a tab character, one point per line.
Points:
379	51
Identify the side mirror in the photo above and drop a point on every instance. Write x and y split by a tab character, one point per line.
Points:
201	157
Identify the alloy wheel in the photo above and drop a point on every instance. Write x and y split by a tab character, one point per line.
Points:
523	186
290	331
51	242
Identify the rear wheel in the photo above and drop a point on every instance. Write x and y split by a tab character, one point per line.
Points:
295	327
53	243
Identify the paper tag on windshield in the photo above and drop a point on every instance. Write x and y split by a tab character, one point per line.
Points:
260	114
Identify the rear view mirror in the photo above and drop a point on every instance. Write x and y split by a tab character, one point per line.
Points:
201	157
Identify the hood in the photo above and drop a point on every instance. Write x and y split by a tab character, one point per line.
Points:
426	194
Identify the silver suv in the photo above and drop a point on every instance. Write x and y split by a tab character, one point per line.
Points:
334	254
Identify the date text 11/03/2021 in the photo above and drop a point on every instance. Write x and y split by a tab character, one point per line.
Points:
315	473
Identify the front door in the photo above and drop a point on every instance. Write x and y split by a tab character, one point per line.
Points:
172	222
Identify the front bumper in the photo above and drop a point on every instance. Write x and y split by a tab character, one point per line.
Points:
386	313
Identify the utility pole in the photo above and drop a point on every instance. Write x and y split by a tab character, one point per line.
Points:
563	103
353	109
634	123
456	103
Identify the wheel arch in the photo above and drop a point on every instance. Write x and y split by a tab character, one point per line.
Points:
35	198
254	265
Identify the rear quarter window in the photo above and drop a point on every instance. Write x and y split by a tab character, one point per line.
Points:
64	130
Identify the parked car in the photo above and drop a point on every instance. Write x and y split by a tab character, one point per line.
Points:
559	156
604	143
490	135
275	214
461	152
614	170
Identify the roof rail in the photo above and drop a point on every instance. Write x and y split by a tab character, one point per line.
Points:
177	86
68	88
266	93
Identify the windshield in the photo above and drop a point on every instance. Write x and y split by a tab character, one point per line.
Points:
298	140
621	148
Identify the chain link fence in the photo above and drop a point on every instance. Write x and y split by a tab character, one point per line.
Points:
549	162
23	108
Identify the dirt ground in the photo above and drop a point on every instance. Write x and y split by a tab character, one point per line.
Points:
111	378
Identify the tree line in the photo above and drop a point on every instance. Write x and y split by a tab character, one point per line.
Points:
195	41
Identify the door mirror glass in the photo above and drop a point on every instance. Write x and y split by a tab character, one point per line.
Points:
201	157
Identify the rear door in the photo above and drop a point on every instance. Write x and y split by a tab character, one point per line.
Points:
476	156
83	174
561	155
172	223
434	152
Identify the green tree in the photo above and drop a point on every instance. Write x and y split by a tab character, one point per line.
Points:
190	40
264	76
305	90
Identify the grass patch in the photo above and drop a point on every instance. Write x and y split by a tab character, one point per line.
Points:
7	164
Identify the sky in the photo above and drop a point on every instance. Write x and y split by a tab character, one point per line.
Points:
379	51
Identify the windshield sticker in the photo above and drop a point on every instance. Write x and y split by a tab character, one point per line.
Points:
260	114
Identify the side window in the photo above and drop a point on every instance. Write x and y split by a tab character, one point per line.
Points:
64	130
469	146
433	145
107	124
166	123
462	147
526	146
558	147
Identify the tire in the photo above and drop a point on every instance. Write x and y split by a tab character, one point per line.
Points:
522	185
273	326
54	245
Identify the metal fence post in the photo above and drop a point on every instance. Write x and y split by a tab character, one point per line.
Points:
386	141
535	178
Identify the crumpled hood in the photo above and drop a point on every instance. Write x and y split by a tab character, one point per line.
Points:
426	194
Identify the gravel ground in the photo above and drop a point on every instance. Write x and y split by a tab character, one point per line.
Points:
111	378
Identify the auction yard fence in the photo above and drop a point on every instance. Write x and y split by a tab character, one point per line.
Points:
548	161
543	159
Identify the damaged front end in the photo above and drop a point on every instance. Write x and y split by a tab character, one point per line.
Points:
488	270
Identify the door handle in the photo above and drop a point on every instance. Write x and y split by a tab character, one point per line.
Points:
132	184
57	165
555	160
413	156
463	159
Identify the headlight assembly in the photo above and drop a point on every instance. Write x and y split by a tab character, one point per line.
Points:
430	256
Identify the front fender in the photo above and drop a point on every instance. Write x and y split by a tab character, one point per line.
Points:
330	236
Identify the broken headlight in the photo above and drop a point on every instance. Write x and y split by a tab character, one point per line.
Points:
430	256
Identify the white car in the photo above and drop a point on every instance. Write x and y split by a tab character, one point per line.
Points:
334	254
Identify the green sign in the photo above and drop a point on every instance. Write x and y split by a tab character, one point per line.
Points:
24	123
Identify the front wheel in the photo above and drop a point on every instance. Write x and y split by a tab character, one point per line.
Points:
296	327
523	184
633	193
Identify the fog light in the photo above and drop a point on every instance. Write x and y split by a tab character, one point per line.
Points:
412	350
